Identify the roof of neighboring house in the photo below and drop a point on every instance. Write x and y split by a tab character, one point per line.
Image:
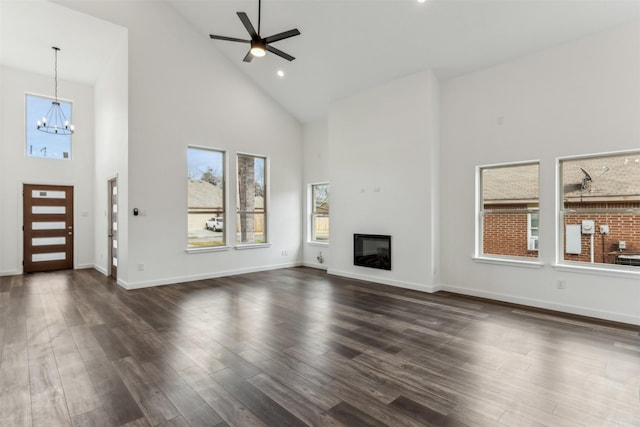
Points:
203	194
323	208
613	178
510	184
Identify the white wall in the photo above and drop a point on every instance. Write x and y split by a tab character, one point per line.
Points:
578	98
17	169
111	153
182	92
383	174
315	167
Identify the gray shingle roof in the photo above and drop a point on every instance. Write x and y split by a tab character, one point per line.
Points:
612	178
204	195
510	183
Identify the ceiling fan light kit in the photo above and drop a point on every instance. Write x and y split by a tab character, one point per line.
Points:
258	48
259	45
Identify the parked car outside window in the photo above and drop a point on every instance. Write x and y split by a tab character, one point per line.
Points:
215	224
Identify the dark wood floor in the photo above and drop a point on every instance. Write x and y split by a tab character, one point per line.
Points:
297	347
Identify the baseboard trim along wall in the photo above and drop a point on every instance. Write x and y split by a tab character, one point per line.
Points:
10	273
548	305
212	275
398	283
315	265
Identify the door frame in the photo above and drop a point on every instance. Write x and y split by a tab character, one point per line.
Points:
112	271
69	230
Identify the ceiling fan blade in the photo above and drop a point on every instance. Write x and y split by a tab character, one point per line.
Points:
248	57
281	36
230	39
280	53
248	25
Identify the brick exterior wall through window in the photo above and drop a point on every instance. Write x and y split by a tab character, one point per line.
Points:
622	226
506	233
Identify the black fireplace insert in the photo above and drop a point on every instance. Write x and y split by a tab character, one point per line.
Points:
372	250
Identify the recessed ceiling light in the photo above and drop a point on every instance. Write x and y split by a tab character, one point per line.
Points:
280	73
422	1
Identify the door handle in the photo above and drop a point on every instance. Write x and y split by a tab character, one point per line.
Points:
109	235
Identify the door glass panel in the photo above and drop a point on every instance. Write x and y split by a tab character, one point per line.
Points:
53	256
45	241
54	225
114	262
115	191
48	209
115	226
42	194
115	244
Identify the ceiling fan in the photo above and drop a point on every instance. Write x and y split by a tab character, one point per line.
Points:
260	45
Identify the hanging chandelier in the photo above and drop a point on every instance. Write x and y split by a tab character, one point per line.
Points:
55	120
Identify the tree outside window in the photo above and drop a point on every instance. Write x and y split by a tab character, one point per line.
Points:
319	213
252	193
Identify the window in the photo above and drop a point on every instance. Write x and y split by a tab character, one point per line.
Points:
319	225
533	220
206	198
252	192
600	209
41	144
508	220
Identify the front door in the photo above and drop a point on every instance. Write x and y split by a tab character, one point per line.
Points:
113	228
47	227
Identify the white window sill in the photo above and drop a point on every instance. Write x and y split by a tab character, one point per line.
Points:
207	249
509	261
315	243
617	271
252	246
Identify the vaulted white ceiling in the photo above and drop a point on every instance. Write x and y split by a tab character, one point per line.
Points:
346	45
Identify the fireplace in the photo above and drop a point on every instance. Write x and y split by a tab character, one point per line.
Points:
372	250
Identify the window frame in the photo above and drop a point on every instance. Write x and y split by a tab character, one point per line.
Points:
313	214
531	238
30	126
561	264
480	212
224	198
265	212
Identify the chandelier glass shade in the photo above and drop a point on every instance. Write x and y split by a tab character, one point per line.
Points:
55	121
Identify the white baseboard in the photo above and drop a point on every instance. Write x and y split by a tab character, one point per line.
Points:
101	270
398	283
315	265
77	267
10	273
548	305
212	275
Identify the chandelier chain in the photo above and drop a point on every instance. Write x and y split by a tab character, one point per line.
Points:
56	73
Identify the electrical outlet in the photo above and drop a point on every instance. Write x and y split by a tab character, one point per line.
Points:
140	267
562	284
285	253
